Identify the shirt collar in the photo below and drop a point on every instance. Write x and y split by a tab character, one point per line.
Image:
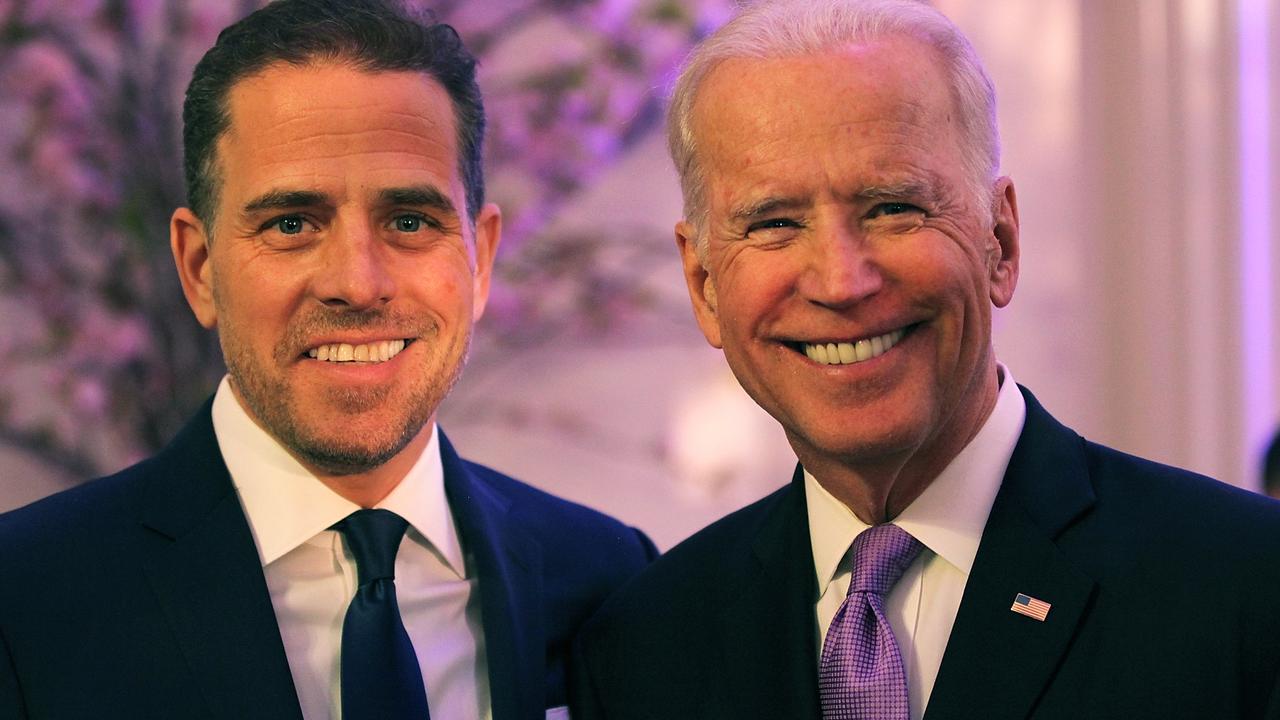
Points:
269	479
950	514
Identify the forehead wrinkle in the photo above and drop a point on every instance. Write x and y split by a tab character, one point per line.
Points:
900	143
339	155
279	147
904	118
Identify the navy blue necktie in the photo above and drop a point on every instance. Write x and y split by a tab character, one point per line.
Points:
380	675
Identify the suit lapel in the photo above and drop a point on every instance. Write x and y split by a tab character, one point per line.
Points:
768	627
508	569
206	574
997	662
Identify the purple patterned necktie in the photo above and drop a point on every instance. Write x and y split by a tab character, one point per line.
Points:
861	676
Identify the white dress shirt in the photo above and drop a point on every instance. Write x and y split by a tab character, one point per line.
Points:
312	576
947	519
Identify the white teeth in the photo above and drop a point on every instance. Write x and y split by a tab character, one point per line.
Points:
373	352
863	350
846	353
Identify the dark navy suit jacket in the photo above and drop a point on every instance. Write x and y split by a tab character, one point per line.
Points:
1164	587
141	595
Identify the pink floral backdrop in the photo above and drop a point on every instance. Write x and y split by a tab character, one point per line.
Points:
100	360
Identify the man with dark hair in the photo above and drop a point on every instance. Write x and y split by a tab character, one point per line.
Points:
310	545
945	549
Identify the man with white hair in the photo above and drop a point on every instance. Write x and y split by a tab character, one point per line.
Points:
946	549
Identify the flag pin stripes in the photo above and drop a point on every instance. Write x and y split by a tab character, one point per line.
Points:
1031	607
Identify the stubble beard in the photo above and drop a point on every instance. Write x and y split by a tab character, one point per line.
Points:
273	403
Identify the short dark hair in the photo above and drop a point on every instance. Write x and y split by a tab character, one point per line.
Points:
371	35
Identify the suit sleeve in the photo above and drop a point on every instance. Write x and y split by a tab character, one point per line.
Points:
11	702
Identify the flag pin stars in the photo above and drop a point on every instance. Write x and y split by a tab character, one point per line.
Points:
1031	607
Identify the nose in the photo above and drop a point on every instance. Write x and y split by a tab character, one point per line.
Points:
354	268
840	270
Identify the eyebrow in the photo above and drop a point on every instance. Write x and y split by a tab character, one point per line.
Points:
896	191
419	195
282	199
766	206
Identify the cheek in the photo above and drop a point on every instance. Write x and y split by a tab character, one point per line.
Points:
757	287
943	268
256	300
447	292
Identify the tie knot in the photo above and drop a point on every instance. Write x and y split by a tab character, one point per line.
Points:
880	555
374	538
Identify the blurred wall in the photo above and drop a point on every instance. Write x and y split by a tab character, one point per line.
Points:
1137	319
1146	313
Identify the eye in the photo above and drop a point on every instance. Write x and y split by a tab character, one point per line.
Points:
288	225
408	223
893	208
774	224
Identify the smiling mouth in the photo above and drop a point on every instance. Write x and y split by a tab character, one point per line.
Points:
374	352
851	352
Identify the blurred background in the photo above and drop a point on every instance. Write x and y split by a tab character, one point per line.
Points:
1142	135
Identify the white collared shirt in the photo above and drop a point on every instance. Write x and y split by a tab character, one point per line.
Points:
947	519
312	577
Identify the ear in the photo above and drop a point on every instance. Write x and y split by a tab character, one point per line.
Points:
190	246
702	288
1006	250
487	236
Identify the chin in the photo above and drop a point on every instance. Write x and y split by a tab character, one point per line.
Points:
865	444
339	456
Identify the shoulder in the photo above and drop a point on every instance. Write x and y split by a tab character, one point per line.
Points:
1181	508
653	646
705	555
86	510
1122	516
68	547
1054	471
187	472
678	586
564	528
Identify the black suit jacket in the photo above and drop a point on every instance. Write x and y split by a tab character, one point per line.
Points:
141	595
1164	586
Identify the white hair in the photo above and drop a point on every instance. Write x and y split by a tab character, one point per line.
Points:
793	28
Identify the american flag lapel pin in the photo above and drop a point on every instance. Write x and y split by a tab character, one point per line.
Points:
1031	607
